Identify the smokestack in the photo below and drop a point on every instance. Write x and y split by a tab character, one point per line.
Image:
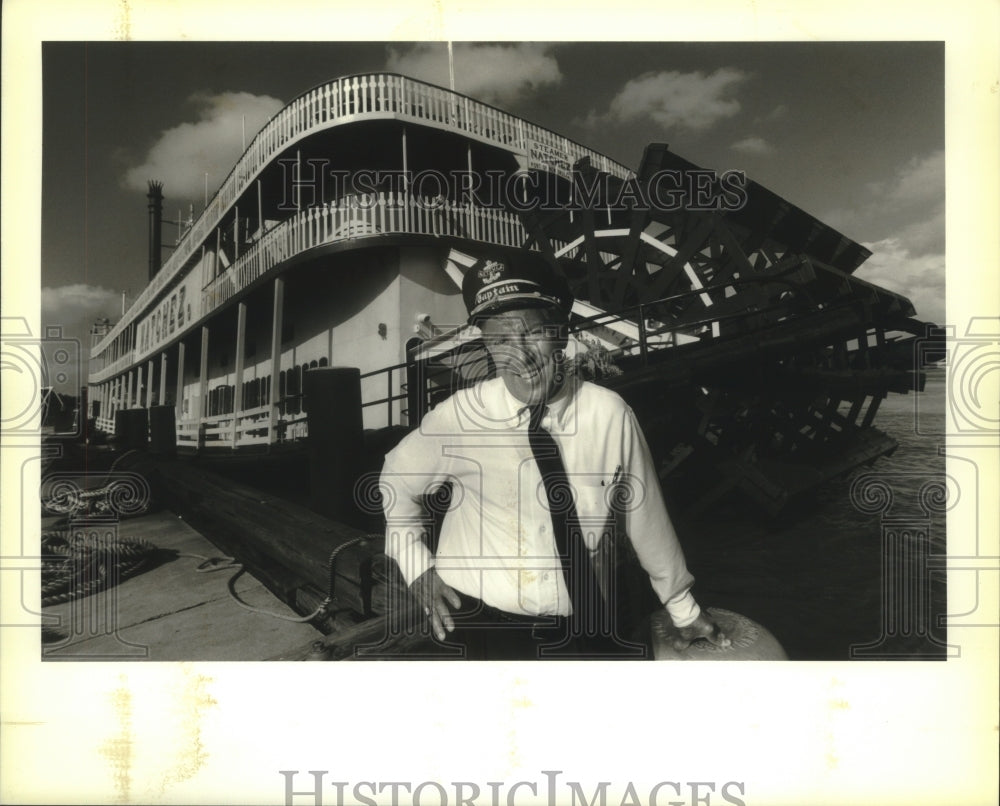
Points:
155	198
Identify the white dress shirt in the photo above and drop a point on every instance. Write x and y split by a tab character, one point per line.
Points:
496	540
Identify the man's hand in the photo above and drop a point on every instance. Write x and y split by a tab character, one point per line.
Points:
435	596
702	627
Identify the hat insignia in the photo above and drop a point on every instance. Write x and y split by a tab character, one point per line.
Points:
491	271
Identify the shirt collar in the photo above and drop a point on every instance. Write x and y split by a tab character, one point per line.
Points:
557	412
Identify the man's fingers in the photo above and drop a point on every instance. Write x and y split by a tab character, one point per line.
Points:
437	626
719	638
441	617
702	628
451	596
445	615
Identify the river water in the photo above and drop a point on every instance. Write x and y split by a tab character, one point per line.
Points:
827	577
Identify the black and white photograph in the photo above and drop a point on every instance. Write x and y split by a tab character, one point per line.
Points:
497	358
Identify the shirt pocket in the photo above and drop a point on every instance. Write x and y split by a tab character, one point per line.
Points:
591	491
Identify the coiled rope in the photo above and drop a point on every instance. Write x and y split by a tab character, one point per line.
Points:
72	569
71	501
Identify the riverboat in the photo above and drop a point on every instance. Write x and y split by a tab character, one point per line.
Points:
731	320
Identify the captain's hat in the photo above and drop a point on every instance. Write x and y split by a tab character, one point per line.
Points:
520	279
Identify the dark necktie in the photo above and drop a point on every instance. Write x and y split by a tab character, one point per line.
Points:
590	618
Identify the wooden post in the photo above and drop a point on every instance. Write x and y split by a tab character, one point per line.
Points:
333	398
260	210
203	387
298	181
241	332
279	301
128	390
163	378
179	402
472	206
149	384
406	187
236	233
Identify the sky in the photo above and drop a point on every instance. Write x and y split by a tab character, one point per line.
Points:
853	133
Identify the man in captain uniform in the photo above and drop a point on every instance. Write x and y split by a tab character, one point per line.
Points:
534	458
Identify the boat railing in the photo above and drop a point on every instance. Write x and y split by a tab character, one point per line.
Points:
346	100
105	424
357	216
121	363
346	219
652	336
395	378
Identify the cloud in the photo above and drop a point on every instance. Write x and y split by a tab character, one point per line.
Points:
921	278
491	73
920	180
75	308
909	206
778	113
185	153
903	218
753	145
68	303
673	99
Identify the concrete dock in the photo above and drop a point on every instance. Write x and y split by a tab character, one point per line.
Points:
169	611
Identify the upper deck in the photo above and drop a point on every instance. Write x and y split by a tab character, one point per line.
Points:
341	102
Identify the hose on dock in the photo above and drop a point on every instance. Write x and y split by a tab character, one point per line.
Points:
210	564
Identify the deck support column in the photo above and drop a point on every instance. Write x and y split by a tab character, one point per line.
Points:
149	384
260	211
406	187
163	379
472	205
128	390
279	302
241	337
203	387
179	401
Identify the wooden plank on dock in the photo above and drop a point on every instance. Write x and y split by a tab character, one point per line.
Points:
286	544
170	611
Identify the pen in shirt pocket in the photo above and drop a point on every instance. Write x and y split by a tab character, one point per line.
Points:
617	476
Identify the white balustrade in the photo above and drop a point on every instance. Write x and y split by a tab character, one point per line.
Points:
342	101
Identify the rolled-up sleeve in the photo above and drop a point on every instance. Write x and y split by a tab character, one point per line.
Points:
650	529
413	469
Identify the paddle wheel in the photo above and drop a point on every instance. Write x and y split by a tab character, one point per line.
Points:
754	358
